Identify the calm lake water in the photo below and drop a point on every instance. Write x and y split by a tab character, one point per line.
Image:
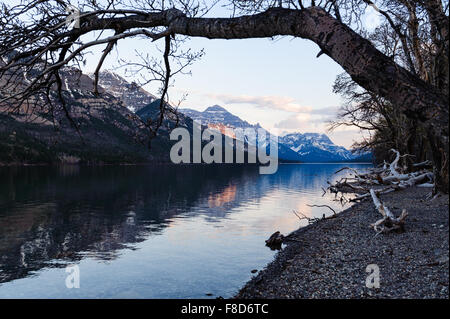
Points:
148	232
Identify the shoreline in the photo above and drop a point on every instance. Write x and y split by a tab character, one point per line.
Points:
58	164
328	259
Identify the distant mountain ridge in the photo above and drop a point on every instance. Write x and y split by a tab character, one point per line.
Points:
131	94
110	131
306	147
218	118
317	147
218	115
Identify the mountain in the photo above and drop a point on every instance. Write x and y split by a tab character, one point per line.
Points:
218	115
132	96
295	147
110	125
218	118
316	147
109	131
151	112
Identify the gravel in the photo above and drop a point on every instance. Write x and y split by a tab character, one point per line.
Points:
328	259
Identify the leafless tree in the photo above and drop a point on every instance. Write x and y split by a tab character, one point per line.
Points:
414	37
36	39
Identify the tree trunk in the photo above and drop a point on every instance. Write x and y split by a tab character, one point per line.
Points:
367	66
440	151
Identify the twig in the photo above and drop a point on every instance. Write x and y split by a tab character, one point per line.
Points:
334	212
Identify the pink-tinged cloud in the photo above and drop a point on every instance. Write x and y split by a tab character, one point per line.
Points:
308	120
272	102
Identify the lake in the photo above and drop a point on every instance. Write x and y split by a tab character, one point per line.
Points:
163	231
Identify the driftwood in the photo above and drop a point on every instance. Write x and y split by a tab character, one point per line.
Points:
389	175
275	240
426	185
425	164
386	178
302	216
334	212
312	220
381	191
389	222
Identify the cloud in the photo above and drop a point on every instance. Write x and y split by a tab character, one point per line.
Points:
346	137
282	103
272	102
329	111
303	118
299	122
316	119
305	123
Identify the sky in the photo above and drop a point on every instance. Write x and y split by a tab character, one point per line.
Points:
278	83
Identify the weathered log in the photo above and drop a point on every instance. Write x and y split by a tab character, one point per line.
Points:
389	175
425	185
394	165
382	191
389	222
415	180
425	164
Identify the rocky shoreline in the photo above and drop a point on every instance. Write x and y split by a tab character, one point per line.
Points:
328	259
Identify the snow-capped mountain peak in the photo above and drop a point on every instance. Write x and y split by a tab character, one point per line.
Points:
217	115
216	108
131	94
306	147
317	147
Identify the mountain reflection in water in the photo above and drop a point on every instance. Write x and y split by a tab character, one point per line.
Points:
163	231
